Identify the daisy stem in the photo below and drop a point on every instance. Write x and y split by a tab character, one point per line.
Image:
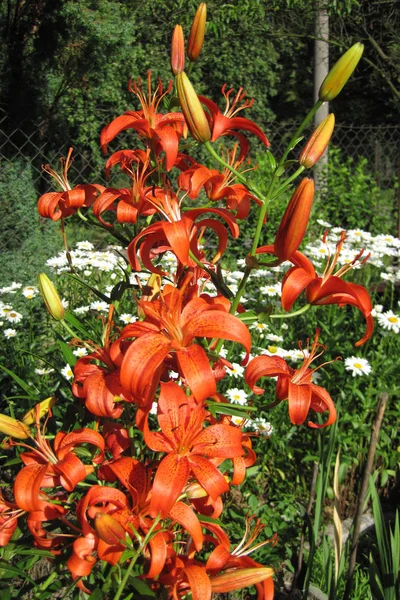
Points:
300	311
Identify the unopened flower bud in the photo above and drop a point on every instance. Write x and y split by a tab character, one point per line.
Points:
39	410
195	490
237	579
177	51
318	142
340	73
51	298
109	529
13	428
192	109
197	32
295	220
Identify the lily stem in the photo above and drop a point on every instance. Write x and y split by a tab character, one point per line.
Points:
295	313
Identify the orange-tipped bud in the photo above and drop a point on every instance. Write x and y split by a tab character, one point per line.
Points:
177	51
237	579
192	109
13	428
109	529
340	73
197	32
295	220
318	142
38	411
51	298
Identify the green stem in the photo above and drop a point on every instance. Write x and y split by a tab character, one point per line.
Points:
305	122
134	559
126	576
296	313
69	329
287	183
110	230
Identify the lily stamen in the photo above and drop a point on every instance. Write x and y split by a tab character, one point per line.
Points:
232	109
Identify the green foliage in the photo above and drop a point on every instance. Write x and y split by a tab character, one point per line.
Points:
385	573
352	196
24	234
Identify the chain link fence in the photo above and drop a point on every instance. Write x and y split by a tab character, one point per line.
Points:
34	145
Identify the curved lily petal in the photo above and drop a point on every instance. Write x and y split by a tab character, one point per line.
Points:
195	366
171	477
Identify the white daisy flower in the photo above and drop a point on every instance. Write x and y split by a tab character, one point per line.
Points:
81	310
274	351
67	372
272	337
154	407
11	289
261	328
357	366
64	302
237	396
377	309
323	223
29	292
236	371
84	245
99	305
44	371
271	290
238	421
79	352
5	309
389	320
13	316
9	333
127	318
262	425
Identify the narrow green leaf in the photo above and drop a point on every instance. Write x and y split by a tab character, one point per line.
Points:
28	388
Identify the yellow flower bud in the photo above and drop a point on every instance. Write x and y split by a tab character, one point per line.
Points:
197	32
40	409
51	298
318	142
237	579
109	529
340	73
192	109
13	428
177	51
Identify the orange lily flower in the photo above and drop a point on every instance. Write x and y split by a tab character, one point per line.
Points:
219	185
55	205
170	326
294	385
164	131
177	233
100	385
136	478
9	514
328	288
129	203
226	123
189	448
